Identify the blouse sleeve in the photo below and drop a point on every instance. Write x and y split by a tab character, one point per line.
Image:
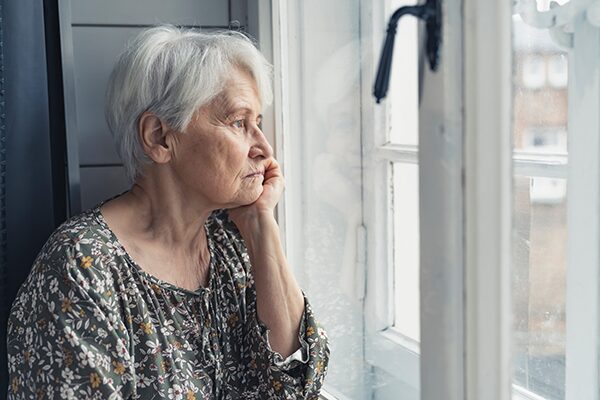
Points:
269	375
299	376
64	339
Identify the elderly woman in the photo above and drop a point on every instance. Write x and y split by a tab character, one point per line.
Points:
178	288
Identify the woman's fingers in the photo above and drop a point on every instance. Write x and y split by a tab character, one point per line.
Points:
272	169
273	186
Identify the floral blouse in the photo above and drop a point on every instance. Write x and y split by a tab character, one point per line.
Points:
89	323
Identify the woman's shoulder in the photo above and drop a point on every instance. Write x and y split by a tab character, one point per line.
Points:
72	268
79	251
84	231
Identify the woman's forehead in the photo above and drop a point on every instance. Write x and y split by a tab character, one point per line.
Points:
239	95
241	84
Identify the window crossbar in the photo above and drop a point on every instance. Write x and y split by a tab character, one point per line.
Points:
398	153
547	165
541	165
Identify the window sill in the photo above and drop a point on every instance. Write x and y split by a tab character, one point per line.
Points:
327	396
396	354
520	393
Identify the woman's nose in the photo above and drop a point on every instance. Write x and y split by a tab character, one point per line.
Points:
260	145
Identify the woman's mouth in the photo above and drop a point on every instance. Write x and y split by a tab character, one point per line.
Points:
254	175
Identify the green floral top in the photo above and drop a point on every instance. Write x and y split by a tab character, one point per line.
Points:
89	323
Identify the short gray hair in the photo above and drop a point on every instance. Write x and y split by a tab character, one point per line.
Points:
172	72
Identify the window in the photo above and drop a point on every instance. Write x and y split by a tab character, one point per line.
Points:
558	74
366	192
545	139
317	106
534	72
403	109
539	245
393	339
326	134
406	250
555	172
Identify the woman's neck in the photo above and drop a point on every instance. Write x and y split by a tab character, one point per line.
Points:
161	213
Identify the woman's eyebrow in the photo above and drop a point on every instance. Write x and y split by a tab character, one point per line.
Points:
246	109
242	107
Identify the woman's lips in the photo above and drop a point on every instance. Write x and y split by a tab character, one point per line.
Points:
254	175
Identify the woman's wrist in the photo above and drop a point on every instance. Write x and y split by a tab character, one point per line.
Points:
256	223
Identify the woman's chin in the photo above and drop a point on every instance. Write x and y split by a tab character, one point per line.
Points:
247	198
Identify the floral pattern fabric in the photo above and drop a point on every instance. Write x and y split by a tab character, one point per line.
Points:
89	323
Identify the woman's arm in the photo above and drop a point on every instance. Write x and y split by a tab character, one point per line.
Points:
280	302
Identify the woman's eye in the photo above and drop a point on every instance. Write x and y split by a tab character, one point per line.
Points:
239	123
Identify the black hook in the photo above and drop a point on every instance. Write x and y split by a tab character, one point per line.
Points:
431	12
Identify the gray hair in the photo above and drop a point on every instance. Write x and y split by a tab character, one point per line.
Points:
172	72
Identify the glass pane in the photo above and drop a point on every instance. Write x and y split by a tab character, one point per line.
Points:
540	228
540	88
539	285
323	180
406	249
403	93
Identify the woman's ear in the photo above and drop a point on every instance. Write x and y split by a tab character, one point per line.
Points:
153	137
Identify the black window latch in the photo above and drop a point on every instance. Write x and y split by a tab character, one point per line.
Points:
431	13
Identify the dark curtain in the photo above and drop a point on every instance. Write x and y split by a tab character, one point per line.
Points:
32	144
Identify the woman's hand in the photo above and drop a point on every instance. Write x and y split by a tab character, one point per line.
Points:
273	186
279	300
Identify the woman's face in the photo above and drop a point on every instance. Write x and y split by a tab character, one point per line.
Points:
221	155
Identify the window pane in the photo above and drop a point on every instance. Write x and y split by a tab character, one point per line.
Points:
539	285
323	179
406	249
404	81
540	225
540	83
544	139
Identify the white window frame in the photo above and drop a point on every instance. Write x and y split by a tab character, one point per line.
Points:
583	206
465	202
384	346
488	205
436	369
